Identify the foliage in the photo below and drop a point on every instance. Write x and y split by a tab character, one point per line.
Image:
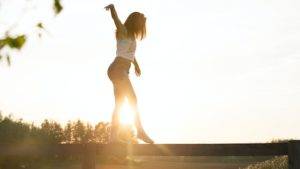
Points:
57	6
51	132
13	43
275	163
280	140
18	41
14	131
99	132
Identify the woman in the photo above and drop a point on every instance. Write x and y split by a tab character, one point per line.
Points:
126	35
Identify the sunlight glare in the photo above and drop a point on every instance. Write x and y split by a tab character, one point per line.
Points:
126	114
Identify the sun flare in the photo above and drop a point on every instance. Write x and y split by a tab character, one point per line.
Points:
126	114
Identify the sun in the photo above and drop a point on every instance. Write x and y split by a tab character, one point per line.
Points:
126	114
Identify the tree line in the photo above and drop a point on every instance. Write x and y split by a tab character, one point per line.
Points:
16	131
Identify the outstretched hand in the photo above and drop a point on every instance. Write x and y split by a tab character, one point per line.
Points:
108	7
137	71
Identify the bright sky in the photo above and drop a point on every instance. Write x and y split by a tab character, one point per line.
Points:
212	71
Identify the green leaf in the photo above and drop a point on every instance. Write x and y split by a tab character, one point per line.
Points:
17	42
8	60
40	25
57	6
2	43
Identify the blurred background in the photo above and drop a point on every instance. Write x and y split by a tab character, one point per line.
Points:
212	71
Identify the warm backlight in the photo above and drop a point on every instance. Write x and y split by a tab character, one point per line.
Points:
126	114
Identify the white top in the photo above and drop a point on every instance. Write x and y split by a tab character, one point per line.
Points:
126	48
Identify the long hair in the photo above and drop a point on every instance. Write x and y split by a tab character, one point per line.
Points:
135	25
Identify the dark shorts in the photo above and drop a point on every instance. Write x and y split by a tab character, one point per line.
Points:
118	74
118	69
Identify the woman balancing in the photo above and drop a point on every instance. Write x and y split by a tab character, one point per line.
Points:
126	35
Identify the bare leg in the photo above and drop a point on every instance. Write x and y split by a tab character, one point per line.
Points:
119	99
132	99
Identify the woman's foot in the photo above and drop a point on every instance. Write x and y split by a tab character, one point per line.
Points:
141	134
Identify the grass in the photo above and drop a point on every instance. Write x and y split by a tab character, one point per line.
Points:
275	163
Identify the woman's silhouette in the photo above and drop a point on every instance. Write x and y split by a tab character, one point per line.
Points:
126	35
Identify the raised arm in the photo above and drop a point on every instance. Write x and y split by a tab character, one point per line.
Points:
115	17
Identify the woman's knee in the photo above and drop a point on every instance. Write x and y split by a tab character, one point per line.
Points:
132	100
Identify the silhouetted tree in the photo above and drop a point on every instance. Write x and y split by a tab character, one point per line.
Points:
13	131
52	131
68	132
89	134
101	132
18	131
78	131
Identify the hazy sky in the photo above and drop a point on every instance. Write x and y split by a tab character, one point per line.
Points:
212	71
